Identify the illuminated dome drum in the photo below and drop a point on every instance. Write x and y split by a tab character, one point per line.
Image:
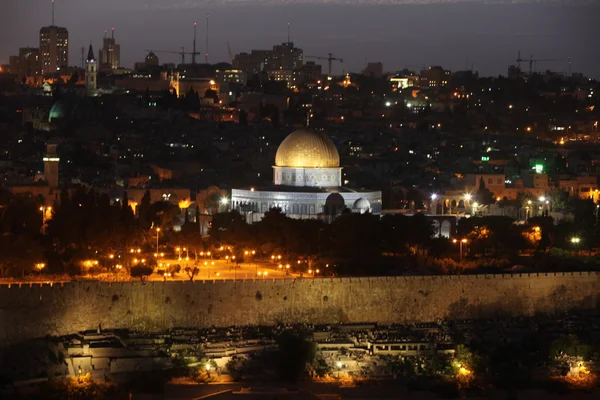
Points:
307	158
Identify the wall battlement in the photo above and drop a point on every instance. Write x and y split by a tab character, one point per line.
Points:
38	309
345	279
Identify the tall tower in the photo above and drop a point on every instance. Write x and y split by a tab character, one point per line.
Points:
91	72
51	161
110	53
54	47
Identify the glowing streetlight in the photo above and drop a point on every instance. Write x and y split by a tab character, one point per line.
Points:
460	244
542	199
468	196
45	211
157	233
224	202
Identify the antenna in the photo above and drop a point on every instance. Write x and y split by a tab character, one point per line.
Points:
194	51
289	34
569	74
206	46
52	12
113	33
105	34
82	51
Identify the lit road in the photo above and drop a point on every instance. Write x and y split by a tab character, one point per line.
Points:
221	269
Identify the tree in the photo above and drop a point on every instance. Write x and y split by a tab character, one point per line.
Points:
211	94
144	212
192	272
484	196
295	352
243	118
141	271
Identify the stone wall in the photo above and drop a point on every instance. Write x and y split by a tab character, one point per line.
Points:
34	310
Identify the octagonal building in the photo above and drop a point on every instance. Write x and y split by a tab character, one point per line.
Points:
307	183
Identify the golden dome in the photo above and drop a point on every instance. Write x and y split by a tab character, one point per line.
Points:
307	149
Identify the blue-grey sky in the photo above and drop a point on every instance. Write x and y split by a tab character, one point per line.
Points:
487	35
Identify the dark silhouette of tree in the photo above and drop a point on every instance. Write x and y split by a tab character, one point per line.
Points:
295	352
211	94
484	196
140	271
192	272
243	118
144	220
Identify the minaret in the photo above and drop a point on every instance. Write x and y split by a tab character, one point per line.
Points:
51	161
91	72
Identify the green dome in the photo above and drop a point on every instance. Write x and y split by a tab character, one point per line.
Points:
61	110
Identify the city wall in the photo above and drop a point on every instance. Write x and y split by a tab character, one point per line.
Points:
36	310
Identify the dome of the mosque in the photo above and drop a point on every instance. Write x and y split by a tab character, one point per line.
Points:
307	149
61	110
362	206
73	109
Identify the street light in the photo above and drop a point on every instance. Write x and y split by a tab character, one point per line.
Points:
575	241
44	210
224	201
157	233
468	196
460	244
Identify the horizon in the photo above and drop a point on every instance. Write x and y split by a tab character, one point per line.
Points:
456	36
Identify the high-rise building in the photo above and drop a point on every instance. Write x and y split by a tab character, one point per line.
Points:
109	57
251	63
91	72
27	63
284	56
54	48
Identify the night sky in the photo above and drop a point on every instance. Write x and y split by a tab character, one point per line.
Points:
452	35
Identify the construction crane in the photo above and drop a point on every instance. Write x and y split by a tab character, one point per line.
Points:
329	59
531	61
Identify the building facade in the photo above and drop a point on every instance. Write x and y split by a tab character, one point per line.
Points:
54	49
109	57
435	77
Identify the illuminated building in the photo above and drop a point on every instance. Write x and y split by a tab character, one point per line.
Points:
282	75
284	56
435	77
307	183
54	49
27	63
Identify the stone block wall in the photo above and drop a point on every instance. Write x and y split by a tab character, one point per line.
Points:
36	310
